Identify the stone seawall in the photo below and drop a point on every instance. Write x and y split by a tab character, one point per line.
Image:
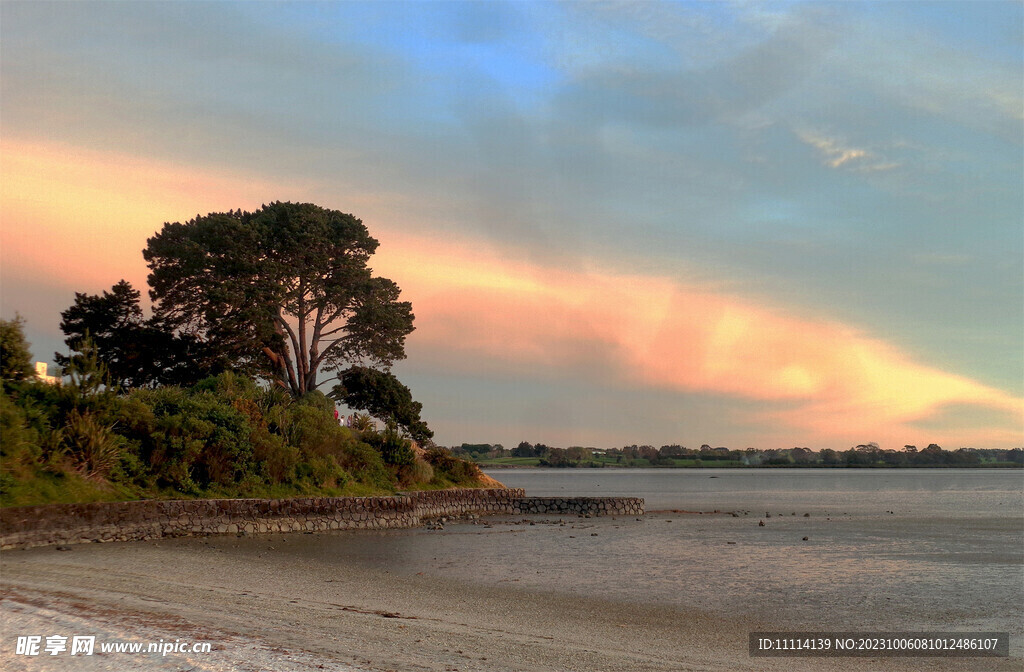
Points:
25	527
590	506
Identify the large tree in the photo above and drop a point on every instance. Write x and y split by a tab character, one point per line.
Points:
137	352
287	288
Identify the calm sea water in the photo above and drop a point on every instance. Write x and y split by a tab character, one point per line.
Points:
897	550
913	492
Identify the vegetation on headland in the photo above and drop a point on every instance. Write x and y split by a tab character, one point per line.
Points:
216	394
223	437
868	455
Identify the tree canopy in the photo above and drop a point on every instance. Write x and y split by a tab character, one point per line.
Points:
136	352
380	394
286	289
15	358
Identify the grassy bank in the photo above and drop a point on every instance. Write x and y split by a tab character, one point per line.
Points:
225	437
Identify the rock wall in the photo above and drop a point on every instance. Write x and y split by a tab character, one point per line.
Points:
28	526
589	506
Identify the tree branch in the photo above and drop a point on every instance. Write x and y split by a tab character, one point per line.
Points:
283	364
323	355
333	331
300	351
314	344
324	382
284	327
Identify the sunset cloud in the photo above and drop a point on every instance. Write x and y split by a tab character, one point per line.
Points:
64	207
477	308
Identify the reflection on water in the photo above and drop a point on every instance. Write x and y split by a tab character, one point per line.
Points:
907	550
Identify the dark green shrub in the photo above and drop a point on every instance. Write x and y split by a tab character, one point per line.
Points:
365	463
393	449
325	472
448	467
275	460
129	470
19	444
314	432
318	400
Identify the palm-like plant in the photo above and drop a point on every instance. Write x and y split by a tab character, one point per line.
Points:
362	422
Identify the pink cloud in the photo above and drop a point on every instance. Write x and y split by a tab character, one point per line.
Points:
84	215
476	308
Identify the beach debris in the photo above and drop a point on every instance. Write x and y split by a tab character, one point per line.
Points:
807	515
767	515
760	523
806	538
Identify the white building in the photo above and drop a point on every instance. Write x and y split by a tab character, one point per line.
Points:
41	374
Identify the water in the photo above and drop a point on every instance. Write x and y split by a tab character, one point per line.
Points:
911	492
900	548
893	550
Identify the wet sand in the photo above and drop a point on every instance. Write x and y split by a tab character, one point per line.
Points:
264	606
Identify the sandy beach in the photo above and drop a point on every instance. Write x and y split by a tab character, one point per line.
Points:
265	605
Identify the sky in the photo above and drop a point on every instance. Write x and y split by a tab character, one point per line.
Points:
745	224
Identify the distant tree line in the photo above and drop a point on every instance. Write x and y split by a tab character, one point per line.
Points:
863	455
